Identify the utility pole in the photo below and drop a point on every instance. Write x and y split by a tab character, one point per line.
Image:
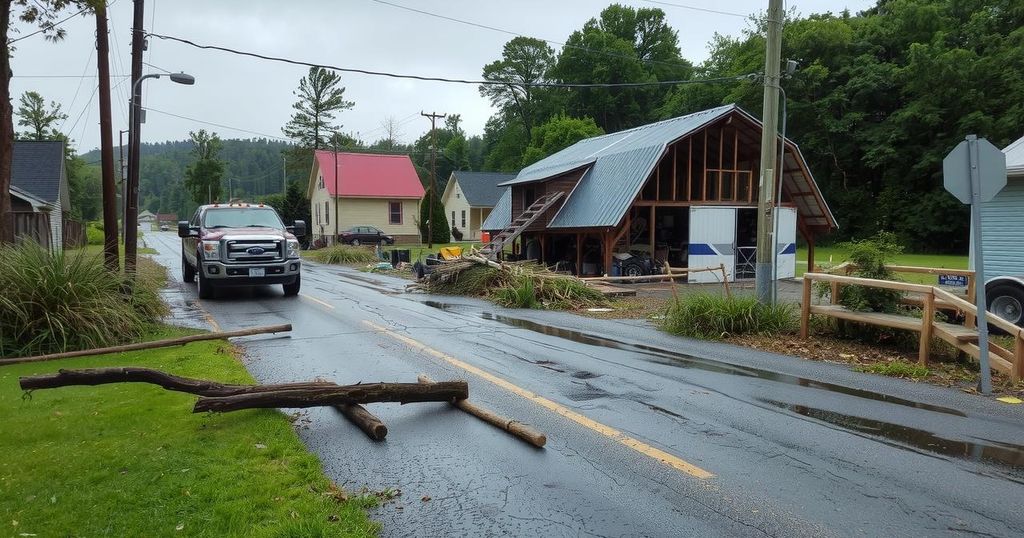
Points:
433	173
766	187
131	203
334	144
111	257
122	174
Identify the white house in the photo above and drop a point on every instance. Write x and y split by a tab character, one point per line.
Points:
469	198
39	191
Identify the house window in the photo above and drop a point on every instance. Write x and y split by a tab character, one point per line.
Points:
463	218
453	218
394	212
457	195
318	214
327	212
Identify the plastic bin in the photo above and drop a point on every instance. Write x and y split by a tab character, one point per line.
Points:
485	237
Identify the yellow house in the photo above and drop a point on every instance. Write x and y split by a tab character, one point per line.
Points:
348	190
469	198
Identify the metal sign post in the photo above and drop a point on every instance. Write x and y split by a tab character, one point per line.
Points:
974	172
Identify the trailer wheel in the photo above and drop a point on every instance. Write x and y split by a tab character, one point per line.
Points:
1007	302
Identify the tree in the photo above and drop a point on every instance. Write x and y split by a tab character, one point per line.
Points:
320	98
557	134
203	176
40	13
442	233
524	61
33	113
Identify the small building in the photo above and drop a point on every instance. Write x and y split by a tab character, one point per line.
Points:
40	197
1002	236
469	198
146	217
361	189
682	191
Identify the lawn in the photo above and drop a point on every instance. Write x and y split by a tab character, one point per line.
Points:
836	256
420	251
133	460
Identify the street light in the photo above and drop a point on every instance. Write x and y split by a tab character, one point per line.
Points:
131	206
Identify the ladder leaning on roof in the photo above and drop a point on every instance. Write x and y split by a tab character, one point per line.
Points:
516	227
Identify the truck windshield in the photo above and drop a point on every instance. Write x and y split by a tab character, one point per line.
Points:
242	217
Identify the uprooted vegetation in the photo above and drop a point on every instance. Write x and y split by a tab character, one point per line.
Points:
339	254
513	285
64	301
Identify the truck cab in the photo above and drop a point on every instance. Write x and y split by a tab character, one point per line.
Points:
240	244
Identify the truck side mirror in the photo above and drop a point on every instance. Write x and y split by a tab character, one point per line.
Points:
299	228
184	230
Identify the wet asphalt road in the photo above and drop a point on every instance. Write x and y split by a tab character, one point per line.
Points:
795	448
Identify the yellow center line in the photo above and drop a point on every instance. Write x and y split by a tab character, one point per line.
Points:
635	444
318	301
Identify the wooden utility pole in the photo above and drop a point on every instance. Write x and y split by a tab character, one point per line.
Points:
433	173
131	203
110	254
337	193
766	187
6	129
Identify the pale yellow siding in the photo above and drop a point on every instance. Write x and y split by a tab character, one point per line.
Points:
374	212
455	201
321	223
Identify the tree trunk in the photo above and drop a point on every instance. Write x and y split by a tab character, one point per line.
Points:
201	387
372	426
6	126
352	394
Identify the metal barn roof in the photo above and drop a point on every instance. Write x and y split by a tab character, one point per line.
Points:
501	215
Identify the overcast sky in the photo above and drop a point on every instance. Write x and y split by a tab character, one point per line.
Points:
247	94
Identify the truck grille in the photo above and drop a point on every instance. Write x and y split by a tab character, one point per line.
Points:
254	251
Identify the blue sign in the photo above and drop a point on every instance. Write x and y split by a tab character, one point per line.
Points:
956	281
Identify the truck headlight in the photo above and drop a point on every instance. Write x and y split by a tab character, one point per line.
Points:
211	250
293	248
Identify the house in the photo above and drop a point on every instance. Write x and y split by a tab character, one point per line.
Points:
40	197
469	197
146	217
362	189
1002	237
683	190
170	219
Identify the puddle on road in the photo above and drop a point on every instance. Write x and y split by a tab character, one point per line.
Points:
183	310
989	451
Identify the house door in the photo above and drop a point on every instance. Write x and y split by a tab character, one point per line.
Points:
712	242
785	243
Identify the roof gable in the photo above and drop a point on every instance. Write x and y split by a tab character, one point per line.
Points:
1015	158
366	175
481	189
37	167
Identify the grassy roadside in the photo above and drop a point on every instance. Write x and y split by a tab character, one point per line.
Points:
823	255
133	460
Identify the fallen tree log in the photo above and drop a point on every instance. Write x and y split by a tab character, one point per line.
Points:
150	345
514	427
340	395
372	426
201	387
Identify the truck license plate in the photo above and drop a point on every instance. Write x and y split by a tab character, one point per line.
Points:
258	271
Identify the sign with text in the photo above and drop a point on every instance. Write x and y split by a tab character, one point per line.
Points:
956	281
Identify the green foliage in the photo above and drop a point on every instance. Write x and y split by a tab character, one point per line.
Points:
138	447
897	368
442	233
557	134
64	301
515	286
33	113
320	98
524	61
94	234
518	293
713	317
870	256
339	254
203	176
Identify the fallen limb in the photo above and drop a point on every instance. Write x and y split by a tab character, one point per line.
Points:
372	426
339	395
514	427
201	387
150	345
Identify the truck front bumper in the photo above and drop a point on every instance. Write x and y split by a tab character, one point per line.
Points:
234	274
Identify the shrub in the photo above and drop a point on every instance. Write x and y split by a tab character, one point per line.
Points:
93	235
870	257
345	254
713	317
54	302
897	368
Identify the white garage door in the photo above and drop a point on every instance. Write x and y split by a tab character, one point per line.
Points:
712	242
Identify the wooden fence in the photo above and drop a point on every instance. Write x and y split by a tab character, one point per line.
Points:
34	226
73	233
964	338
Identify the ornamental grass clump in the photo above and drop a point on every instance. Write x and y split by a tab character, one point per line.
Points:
344	254
712	317
64	301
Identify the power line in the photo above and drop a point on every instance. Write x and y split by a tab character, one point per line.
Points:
446	79
66	76
695	8
47	27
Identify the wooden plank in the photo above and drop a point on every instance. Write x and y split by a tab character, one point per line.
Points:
650	227
689	172
704	161
805	309
894	321
971	319
721	148
871	282
955	333
997	363
1018	358
675	177
968	307
927	324
735	163
928	270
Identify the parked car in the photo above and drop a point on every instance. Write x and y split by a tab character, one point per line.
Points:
366	235
164	227
240	245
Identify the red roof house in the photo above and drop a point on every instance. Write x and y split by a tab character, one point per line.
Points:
349	190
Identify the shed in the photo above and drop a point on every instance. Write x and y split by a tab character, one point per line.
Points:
1002	227
469	198
39	187
683	190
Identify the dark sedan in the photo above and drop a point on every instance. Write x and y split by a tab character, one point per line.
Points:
366	235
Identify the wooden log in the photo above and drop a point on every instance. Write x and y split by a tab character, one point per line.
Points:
372	426
151	345
514	427
330	396
201	387
725	281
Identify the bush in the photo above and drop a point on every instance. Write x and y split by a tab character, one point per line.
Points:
712	317
870	257
93	235
345	254
54	302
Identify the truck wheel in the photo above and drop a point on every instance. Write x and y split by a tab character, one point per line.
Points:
188	273
291	290
1007	302
205	287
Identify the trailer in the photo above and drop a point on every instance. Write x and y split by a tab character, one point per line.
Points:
1002	226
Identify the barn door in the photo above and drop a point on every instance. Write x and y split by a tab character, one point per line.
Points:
712	242
785	243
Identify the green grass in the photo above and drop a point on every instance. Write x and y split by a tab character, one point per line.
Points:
896	368
340	254
97	250
822	255
420	251
133	460
713	317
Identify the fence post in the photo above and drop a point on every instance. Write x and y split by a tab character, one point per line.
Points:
927	323
805	309
970	321
725	281
834	293
1017	368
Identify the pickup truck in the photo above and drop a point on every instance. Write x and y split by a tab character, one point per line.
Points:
240	244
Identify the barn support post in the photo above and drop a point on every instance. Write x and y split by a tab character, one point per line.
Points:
579	254
650	227
606	252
